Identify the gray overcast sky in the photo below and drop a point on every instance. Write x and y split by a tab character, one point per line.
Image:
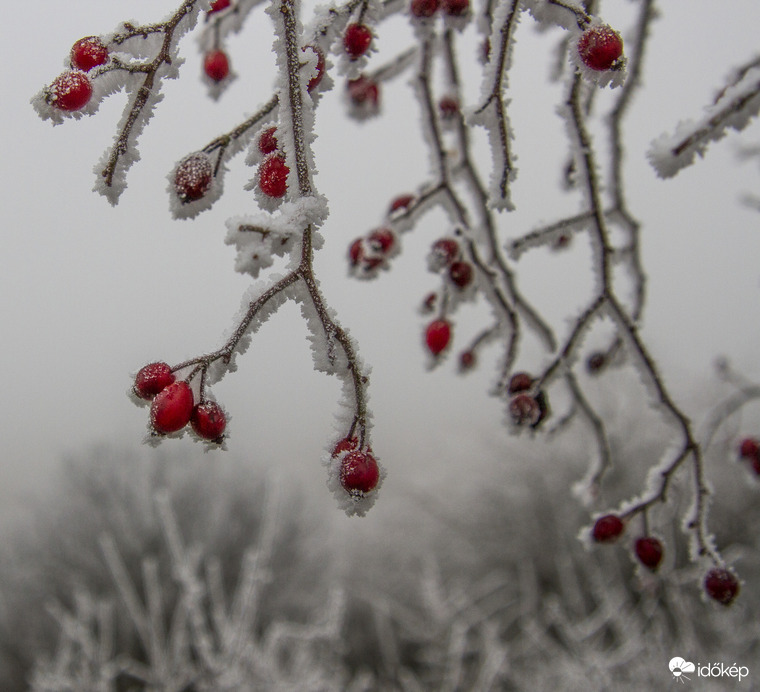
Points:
90	292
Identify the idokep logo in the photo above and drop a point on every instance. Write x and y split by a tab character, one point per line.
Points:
680	667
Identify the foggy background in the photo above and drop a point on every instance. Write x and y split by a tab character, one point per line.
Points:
90	293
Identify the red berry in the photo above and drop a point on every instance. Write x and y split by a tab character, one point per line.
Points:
359	472
209	421
600	48
401	202
345	445
216	65
721	585
356	252
519	382
749	448
437	336
443	253
317	78
596	361
218	6
607	528
524	409
424	8
382	240
87	53
449	107
649	551
151	379
429	303
364	91
172	407
273	176
467	360
461	274
193	177
356	40
455	8
268	141
70	91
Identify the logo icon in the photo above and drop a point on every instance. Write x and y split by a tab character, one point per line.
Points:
679	667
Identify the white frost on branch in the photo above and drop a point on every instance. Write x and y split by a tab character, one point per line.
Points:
734	107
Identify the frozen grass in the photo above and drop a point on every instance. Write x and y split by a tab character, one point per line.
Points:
174	575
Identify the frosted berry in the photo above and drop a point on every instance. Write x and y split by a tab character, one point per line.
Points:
596	361
317	78
524	409
364	92
151	379
347	444
443	253
208	420
273	176
649	551
467	360
216	65
193	177
437	336
461	274
70	91
607	528
721	585
356	40
449	107
455	8
749	448
268	141
600	48
382	240
218	6
172	408
87	53
519	382
401	202
359	472
424	8
356	252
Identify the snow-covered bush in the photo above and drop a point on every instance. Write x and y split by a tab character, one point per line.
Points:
544	368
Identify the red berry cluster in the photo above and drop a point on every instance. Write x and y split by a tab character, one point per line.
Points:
749	451
173	405
446	254
359	472
600	48
527	407
370	252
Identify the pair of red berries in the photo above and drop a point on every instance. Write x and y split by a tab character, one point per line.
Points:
648	549
72	90
446	253
359	472
273	171
749	450
173	407
720	584
427	8
372	251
